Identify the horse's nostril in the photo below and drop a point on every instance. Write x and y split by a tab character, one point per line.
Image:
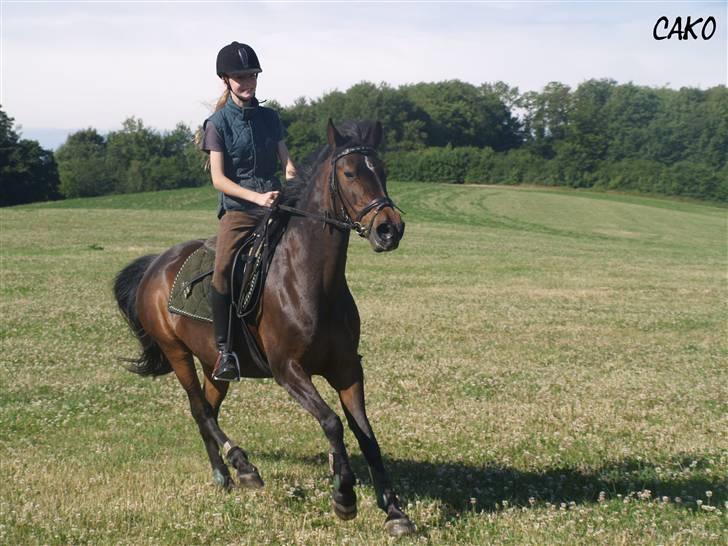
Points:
385	231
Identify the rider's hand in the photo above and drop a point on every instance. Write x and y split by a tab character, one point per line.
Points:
268	199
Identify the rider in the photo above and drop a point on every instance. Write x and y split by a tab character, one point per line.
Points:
243	140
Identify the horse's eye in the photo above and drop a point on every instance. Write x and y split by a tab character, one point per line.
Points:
348	174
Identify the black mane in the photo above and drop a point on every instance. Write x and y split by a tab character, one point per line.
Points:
296	189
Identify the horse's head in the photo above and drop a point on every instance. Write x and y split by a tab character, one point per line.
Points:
359	184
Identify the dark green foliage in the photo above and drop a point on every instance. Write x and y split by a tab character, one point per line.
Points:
692	180
83	165
546	116
460	114
603	135
468	164
28	173
133	159
630	111
446	164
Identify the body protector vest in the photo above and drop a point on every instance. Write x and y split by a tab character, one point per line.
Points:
250	135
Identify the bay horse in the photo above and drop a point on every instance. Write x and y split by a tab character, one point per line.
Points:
308	323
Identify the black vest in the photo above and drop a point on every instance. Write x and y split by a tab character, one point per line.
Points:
251	136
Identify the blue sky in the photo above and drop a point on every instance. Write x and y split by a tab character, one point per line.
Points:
68	65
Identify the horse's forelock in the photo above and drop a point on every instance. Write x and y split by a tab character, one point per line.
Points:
359	133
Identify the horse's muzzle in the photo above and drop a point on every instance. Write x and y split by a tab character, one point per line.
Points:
386	235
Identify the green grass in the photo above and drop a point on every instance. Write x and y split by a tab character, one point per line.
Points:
543	367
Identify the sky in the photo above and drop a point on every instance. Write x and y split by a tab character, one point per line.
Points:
71	65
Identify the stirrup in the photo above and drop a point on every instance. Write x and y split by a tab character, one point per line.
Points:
226	372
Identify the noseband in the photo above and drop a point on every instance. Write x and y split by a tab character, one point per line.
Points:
345	221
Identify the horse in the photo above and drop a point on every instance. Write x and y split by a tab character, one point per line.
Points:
308	323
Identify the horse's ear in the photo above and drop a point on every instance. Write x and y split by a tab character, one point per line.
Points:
333	136
376	137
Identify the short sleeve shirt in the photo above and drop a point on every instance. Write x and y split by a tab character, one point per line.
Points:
211	139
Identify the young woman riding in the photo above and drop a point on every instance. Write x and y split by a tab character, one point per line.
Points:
244	140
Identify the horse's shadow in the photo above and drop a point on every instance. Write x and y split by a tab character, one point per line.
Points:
461	487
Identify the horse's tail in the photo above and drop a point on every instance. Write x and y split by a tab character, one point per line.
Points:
152	361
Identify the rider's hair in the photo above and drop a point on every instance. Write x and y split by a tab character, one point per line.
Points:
222	100
198	134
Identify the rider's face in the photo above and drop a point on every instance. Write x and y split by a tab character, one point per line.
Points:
243	85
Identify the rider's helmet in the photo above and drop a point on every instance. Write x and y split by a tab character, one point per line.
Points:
236	59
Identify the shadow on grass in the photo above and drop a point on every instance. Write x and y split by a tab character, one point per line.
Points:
455	484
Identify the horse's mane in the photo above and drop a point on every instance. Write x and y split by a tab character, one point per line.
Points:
295	191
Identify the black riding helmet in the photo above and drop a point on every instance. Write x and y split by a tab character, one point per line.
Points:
237	58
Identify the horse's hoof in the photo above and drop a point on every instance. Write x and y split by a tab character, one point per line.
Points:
344	503
224	482
250	480
344	512
399	527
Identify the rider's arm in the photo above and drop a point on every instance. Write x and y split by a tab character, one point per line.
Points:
225	185
286	160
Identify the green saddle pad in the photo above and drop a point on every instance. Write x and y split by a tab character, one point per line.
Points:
190	295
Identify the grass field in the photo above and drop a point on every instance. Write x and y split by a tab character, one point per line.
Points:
543	367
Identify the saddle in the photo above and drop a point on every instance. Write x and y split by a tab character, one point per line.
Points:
190	294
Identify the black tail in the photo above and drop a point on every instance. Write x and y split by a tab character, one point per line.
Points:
152	360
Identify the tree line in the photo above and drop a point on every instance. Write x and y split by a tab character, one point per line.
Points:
135	158
600	134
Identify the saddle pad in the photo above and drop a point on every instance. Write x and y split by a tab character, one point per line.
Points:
192	299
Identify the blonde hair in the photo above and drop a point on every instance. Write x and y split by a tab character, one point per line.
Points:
199	134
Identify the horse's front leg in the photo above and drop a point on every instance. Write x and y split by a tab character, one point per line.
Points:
352	400
299	385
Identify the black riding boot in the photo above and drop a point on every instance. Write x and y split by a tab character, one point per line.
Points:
227	366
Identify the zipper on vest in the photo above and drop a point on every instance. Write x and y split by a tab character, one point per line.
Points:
255	157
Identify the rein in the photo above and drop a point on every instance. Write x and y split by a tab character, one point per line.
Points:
321	217
347	223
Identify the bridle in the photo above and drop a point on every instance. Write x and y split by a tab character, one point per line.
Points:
342	218
376	205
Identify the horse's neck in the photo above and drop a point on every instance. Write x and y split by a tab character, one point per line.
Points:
321	248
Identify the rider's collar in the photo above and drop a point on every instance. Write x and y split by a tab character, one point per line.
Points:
247	109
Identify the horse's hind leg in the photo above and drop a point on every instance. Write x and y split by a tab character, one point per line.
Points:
214	395
352	401
206	418
248	475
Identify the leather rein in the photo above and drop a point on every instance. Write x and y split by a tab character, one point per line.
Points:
346	222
